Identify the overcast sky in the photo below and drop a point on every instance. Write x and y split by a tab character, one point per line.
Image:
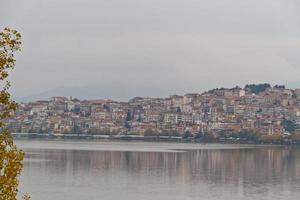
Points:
122	48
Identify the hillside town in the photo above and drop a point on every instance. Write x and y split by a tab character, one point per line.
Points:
257	109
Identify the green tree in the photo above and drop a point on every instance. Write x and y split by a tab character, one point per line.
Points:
10	156
257	88
187	134
248	135
289	125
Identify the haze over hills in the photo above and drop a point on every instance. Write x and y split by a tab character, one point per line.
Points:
116	93
95	92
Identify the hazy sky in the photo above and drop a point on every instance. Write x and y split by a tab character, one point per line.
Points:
123	48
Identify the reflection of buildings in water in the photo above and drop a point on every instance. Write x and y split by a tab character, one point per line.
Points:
236	166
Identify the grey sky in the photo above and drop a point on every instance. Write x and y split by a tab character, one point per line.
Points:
123	48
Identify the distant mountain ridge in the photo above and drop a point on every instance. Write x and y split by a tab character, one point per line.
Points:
91	92
117	92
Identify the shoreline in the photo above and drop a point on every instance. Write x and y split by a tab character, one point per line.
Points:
158	139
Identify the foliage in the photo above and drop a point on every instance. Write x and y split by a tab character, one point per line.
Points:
222	89
26	197
128	120
279	86
127	125
187	134
198	135
294	95
129	116
10	156
257	88
289	125
249	135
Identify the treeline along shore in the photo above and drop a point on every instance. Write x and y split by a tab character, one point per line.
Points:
186	138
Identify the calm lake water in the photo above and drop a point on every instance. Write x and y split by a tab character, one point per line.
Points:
76	170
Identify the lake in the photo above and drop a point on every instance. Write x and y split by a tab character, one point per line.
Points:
90	170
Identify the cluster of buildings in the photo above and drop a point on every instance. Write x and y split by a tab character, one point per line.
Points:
217	111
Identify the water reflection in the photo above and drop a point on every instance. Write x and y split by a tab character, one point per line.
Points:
260	173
